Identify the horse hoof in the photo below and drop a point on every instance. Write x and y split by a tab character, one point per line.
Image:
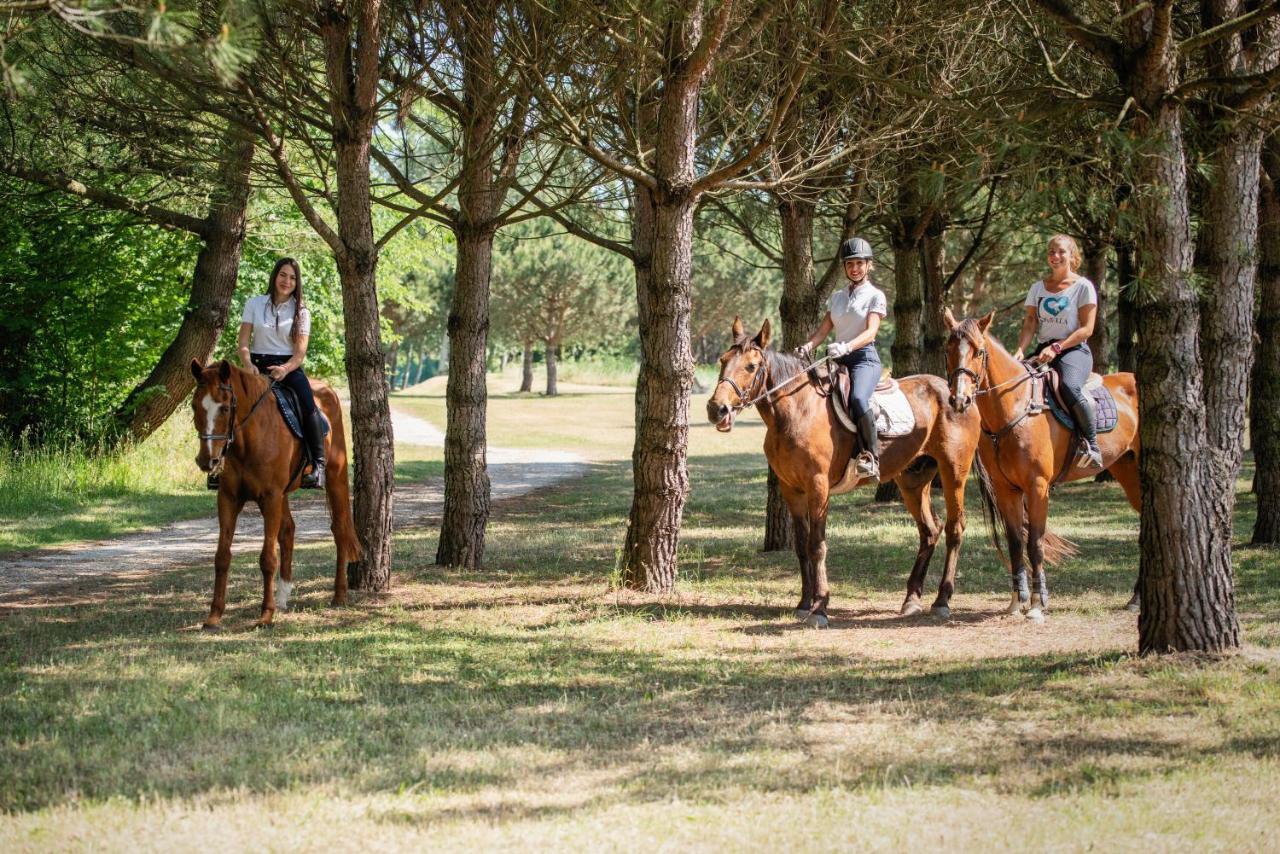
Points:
942	612
338	601
212	628
817	621
801	614
910	608
1015	608
1134	607
1035	615
263	627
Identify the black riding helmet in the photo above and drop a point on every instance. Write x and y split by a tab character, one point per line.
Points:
855	247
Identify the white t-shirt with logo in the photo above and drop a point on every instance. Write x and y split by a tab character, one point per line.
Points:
1059	314
849	311
272	324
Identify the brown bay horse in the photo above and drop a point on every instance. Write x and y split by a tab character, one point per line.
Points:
1025	452
809	451
244	439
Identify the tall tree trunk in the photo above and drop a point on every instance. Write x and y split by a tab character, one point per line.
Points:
908	303
466	481
552	347
213	284
933	358
1188	602
1264	422
800	309
352	83
1095	270
663	245
1126	313
526	368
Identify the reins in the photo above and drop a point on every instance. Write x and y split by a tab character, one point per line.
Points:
744	403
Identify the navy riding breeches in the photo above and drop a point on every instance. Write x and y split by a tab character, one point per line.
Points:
295	380
864	372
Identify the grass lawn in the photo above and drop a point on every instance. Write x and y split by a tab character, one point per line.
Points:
529	705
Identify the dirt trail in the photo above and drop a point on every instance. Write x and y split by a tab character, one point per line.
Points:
192	542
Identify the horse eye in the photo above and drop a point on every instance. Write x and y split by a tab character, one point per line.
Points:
222	407
751	369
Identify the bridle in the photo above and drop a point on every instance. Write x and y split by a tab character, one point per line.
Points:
230	435
752	397
978	391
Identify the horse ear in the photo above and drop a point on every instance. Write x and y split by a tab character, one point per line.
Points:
986	321
738	331
224	370
950	319
197	370
762	338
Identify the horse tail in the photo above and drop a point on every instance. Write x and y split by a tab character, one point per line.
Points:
337	489
1057	549
996	527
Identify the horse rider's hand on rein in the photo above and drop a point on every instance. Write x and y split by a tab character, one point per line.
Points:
836	349
804	350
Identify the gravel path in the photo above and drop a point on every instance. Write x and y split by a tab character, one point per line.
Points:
191	543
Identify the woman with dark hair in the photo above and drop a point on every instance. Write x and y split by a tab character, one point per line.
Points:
274	331
1060	311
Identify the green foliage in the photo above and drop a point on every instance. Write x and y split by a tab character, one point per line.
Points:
89	301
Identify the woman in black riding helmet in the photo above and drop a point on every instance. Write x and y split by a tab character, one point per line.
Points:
854	314
1060	312
274	331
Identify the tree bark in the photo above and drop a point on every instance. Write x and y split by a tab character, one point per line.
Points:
1185	574
552	347
352	81
908	302
1126	313
526	368
1264	421
1095	270
466	478
213	284
933	359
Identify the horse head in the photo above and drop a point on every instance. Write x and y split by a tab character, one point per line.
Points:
742	376
213	406
966	357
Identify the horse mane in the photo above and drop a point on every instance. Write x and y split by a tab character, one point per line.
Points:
968	330
783	366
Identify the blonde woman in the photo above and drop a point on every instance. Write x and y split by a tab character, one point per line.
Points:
1060	311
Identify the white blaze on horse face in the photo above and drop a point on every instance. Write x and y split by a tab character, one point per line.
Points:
211	416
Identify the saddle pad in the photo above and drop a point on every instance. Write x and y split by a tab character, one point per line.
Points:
893	412
1105	414
288	403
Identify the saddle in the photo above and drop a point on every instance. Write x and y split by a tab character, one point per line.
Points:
291	411
1046	393
894	416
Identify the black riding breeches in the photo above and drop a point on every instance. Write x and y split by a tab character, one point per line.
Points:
1074	366
294	380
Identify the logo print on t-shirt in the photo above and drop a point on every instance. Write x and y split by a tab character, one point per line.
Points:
1055	305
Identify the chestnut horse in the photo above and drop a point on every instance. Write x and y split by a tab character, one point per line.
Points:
1026	452
244	439
809	451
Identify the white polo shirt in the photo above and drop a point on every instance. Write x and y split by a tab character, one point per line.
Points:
1059	314
272	324
849	311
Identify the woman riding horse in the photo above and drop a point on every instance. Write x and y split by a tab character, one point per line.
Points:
855	313
278	326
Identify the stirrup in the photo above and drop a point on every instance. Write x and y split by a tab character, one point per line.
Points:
313	479
1088	458
867	466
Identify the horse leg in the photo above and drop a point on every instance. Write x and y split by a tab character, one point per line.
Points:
797	505
1037	521
916	499
287	530
228	512
268	561
953	492
817	538
1125	470
1011	514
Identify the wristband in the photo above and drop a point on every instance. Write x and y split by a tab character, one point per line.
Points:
1057	348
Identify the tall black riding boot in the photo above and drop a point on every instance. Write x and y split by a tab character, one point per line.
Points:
868	461
1082	412
313	427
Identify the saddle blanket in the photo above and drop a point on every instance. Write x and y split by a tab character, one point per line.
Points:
1105	414
288	403
894	416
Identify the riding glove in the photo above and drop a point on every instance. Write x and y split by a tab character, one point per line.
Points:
836	349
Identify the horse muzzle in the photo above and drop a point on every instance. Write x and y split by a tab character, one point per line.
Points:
720	415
